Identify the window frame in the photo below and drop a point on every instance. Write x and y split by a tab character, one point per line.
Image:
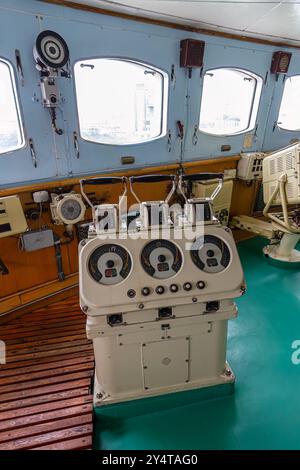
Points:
277	119
255	103
164	99
17	103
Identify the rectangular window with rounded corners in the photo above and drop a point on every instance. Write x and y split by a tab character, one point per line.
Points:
11	132
120	102
289	117
230	100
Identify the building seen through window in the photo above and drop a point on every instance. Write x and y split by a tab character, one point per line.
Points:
120	102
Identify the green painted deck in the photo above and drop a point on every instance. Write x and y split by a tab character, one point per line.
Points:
264	411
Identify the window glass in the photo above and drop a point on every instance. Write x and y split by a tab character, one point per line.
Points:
230	99
11	134
120	102
289	117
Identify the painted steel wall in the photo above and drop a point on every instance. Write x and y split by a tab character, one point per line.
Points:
93	35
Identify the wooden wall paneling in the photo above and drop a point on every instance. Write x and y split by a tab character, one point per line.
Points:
33	295
243	197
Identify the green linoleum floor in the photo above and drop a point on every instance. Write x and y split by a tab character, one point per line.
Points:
264	411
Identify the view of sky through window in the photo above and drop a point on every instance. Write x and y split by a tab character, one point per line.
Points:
289	117
10	131
229	101
120	102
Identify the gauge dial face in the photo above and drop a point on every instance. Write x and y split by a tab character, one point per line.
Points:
161	259
210	254
109	264
70	209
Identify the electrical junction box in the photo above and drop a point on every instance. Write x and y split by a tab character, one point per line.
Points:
280	62
37	239
50	92
12	218
222	202
250	166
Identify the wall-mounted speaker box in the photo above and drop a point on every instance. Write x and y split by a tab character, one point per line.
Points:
280	62
191	53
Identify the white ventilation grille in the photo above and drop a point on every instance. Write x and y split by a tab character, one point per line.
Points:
280	163
272	167
277	164
289	161
291	189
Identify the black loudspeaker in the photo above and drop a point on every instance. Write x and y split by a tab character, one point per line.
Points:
191	53
51	50
280	62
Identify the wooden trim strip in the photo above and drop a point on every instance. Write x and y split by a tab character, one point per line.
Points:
45	381
13	306
44	360
80	443
45	367
169	24
43	428
40	417
46	398
63	372
45	390
54	436
123	172
41	408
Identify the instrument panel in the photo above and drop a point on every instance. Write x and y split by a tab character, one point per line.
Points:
135	274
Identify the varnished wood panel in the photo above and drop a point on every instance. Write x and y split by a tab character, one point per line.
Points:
45	393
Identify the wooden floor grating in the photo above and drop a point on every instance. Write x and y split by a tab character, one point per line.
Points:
45	385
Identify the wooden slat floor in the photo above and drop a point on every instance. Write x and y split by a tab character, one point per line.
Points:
46	383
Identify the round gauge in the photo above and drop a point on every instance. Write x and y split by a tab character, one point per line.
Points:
210	254
109	264
70	209
161	259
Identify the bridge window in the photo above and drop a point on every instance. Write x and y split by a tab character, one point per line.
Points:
230	100
120	102
289	118
11	132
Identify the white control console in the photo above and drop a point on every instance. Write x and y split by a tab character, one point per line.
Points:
157	305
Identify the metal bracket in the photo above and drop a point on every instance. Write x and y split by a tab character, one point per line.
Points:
3	268
76	145
19	66
195	135
169	141
32	152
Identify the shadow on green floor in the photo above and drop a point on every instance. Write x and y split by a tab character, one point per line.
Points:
264	411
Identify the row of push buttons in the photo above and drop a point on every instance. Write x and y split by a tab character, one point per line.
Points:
187	286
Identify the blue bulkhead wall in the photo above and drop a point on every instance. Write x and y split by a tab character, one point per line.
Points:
94	35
